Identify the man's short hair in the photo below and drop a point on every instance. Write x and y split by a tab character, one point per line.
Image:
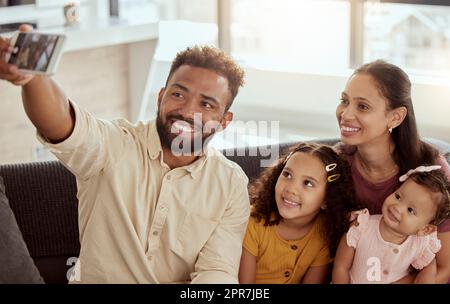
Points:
213	59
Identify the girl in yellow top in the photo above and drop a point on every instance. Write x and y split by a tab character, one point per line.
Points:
300	210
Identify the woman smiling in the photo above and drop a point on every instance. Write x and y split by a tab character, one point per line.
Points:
380	138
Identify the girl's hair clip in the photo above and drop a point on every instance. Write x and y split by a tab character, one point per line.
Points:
418	169
333	177
330	167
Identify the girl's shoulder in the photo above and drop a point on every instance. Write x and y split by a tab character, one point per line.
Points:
427	247
256	223
361	220
360	217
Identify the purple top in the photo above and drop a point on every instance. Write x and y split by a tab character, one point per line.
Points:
372	195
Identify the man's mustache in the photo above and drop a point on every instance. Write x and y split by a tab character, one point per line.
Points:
197	125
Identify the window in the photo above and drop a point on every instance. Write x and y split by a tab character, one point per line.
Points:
415	37
290	34
136	10
327	35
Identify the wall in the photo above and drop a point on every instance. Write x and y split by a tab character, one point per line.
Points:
105	67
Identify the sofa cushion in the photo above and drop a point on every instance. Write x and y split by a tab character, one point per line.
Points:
16	265
43	197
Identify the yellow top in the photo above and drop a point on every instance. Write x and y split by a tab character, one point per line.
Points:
279	261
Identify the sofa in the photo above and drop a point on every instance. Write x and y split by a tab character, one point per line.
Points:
42	196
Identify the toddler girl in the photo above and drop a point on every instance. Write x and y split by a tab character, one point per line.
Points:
381	248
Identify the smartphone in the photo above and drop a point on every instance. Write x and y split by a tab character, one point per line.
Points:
36	53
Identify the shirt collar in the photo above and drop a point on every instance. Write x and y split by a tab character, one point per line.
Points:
195	168
154	150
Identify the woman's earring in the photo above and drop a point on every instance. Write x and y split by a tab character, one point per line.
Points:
390	130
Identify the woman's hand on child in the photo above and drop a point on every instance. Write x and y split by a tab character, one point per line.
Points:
427	275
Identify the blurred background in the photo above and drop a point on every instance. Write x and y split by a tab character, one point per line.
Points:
297	55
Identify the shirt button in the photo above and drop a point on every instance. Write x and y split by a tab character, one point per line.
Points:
294	247
385	272
287	274
395	250
155	233
168	177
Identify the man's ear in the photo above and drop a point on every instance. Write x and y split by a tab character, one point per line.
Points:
398	116
160	95
226	119
429	228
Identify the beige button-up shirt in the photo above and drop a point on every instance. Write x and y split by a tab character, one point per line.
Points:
140	221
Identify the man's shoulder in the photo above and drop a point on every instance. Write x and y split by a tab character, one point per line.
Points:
126	125
219	161
138	132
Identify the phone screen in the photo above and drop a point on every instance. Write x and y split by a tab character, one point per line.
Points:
34	51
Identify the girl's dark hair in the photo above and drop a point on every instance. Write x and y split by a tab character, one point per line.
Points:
394	84
436	181
339	195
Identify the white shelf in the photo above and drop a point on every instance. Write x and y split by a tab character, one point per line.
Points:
104	32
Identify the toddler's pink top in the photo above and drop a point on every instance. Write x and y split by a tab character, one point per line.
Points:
377	261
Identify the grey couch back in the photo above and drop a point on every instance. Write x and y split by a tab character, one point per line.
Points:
43	198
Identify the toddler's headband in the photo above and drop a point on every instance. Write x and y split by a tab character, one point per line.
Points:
418	169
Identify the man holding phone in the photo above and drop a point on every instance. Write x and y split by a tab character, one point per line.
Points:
36	53
154	206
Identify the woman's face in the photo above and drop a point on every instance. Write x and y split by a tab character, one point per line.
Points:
362	114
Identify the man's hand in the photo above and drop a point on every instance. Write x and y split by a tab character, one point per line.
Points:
10	72
45	103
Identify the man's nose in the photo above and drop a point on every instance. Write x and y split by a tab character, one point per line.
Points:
189	111
192	115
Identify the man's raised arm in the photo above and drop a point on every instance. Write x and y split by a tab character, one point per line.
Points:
48	108
45	103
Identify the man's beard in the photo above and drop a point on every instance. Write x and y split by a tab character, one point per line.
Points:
179	144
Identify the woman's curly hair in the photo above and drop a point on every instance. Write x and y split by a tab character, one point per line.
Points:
339	195
436	181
